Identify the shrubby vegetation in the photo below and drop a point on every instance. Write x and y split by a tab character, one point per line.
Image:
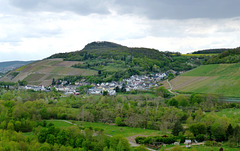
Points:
228	56
185	116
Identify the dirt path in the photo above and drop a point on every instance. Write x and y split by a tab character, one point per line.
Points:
133	143
68	122
170	90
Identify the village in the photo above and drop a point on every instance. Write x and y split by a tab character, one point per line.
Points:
135	82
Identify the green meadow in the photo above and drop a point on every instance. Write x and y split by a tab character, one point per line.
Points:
108	129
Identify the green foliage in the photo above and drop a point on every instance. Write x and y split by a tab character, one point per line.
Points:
228	56
200	137
118	121
173	102
218	132
198	128
141	148
22	82
119	143
170	76
196	98
229	131
163	92
177	128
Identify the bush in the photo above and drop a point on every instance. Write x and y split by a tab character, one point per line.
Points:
200	138
212	143
148	140
140	140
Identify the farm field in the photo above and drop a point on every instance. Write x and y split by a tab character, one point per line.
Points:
221	79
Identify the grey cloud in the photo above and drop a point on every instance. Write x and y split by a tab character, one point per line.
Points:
181	9
83	7
154	9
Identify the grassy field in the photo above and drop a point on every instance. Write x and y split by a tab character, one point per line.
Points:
233	114
109	129
222	79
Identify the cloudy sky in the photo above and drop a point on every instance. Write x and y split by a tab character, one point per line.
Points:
35	29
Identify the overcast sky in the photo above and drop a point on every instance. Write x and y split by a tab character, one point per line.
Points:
35	29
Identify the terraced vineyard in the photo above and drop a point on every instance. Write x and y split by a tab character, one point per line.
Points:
222	79
42	72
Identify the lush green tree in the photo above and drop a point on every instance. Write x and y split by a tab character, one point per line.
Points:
42	135
236	134
119	143
22	82
163	92
229	131
118	121
173	102
196	98
50	139
177	128
218	132
182	100
198	128
10	126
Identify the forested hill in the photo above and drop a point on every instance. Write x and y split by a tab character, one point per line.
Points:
109	50
228	56
210	51
111	57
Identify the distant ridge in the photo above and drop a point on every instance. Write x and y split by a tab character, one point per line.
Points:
211	51
10	65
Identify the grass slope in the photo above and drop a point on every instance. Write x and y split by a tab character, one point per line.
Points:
222	79
42	72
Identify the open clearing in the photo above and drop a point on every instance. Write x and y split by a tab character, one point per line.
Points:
222	79
109	129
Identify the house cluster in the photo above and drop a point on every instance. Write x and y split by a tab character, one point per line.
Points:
135	82
34	87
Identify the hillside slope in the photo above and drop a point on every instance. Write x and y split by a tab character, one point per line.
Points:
222	79
101	62
10	65
42	72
